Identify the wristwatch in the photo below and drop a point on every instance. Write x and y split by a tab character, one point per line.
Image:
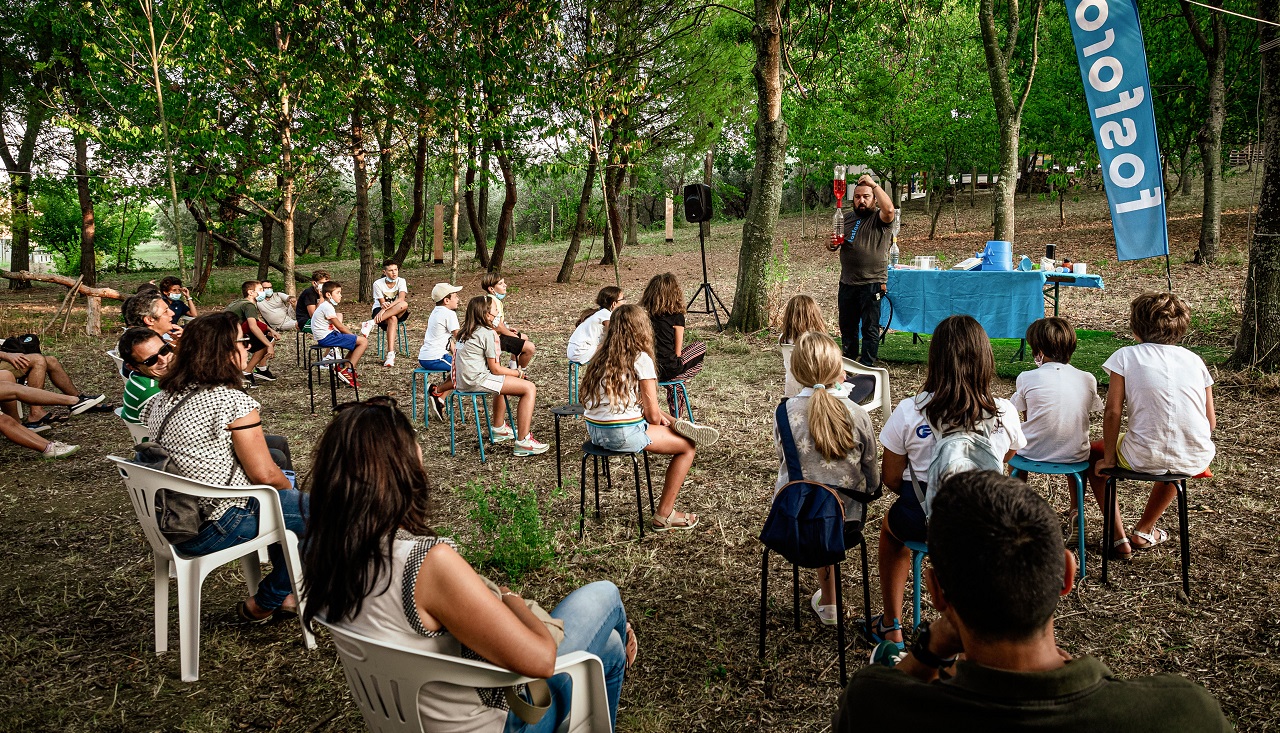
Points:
920	650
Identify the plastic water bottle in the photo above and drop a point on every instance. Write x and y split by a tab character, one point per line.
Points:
837	225
893	255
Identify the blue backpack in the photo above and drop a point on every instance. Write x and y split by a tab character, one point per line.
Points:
806	522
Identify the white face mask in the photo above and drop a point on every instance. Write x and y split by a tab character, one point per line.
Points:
391	279
1039	360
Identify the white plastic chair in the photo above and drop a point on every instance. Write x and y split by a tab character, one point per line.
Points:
142	483
139	432
115	356
880	397
385	679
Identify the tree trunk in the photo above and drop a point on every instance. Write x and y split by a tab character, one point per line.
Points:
613	176
751	298
19	168
580	223
264	256
973	187
482	200
1209	140
478	234
226	214
1184	169
385	172
999	56
704	228
633	234
88	259
1258	345
364	241
419	199
506	219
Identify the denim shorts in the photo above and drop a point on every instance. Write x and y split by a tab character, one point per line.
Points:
627	439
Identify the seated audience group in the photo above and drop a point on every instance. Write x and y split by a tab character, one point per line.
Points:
373	565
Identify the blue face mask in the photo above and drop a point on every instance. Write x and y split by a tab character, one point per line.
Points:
268	293
261	297
175	296
500	296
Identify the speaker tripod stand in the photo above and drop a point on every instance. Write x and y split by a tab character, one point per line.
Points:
711	301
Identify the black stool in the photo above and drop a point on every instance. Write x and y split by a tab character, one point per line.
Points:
595	452
1179	480
795	590
571	410
313	368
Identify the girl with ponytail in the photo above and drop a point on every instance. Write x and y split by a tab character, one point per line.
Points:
842	445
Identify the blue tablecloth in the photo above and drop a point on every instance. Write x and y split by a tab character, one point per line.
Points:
1005	303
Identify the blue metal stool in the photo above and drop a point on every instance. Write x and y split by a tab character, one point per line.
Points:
1179	480
402	341
573	382
478	403
413	392
596	453
1019	465
678	385
918	551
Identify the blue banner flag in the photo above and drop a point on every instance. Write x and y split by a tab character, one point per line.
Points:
1113	65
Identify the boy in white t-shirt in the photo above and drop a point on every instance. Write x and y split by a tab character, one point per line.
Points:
1170	399
390	305
434	354
327	328
1056	397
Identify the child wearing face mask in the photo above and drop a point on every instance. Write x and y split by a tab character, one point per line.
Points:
1056	397
329	331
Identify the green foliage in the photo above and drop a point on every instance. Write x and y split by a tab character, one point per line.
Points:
121	223
510	535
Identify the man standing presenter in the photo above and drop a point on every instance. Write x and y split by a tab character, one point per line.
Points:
864	268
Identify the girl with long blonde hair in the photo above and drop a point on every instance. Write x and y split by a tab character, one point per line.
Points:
620	388
844	442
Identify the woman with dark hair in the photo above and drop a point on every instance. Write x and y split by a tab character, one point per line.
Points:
956	396
374	566
216	436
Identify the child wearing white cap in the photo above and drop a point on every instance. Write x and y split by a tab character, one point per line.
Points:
434	354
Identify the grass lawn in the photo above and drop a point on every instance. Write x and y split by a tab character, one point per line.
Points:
1092	349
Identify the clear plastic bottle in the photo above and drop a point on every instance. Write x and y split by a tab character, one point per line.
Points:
893	254
837	226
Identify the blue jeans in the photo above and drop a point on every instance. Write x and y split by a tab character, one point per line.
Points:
596	622
241	525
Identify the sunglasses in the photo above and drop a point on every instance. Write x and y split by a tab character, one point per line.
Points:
150	361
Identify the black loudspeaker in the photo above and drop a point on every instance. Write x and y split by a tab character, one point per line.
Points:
697	202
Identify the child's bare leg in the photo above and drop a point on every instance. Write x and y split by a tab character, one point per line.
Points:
8	405
500	406
667	442
1099	486
827	582
524	410
58	375
14	431
362	343
895	566
526	354
1162	495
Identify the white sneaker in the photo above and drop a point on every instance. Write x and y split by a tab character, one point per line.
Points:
530	447
366	327
503	434
58	450
826	614
391	360
701	435
512	364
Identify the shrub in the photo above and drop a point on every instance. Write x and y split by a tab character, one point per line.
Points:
509	533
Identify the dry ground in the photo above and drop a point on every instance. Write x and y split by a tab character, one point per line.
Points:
76	651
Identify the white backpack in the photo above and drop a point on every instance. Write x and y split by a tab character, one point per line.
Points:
956	452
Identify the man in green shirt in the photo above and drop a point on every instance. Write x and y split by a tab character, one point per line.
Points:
261	336
998	569
146	358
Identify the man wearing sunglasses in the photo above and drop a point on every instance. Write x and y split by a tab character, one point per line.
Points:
146	357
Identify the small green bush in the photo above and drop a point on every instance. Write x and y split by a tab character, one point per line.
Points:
509	533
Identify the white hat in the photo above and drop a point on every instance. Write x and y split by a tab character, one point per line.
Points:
442	291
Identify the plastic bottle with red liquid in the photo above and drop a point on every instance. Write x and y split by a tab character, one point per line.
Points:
837	221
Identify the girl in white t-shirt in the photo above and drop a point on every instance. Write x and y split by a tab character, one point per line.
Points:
956	395
1056	397
476	369
1170	398
623	414
591	325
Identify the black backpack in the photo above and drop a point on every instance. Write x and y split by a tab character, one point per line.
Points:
806	523
27	343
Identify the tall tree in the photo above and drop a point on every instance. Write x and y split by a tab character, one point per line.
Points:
1000	53
1258	345
1209	138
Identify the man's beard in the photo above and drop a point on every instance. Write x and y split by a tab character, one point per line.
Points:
862	210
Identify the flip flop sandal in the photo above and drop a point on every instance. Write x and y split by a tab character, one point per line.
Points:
242	612
874	630
668	523
1156	537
